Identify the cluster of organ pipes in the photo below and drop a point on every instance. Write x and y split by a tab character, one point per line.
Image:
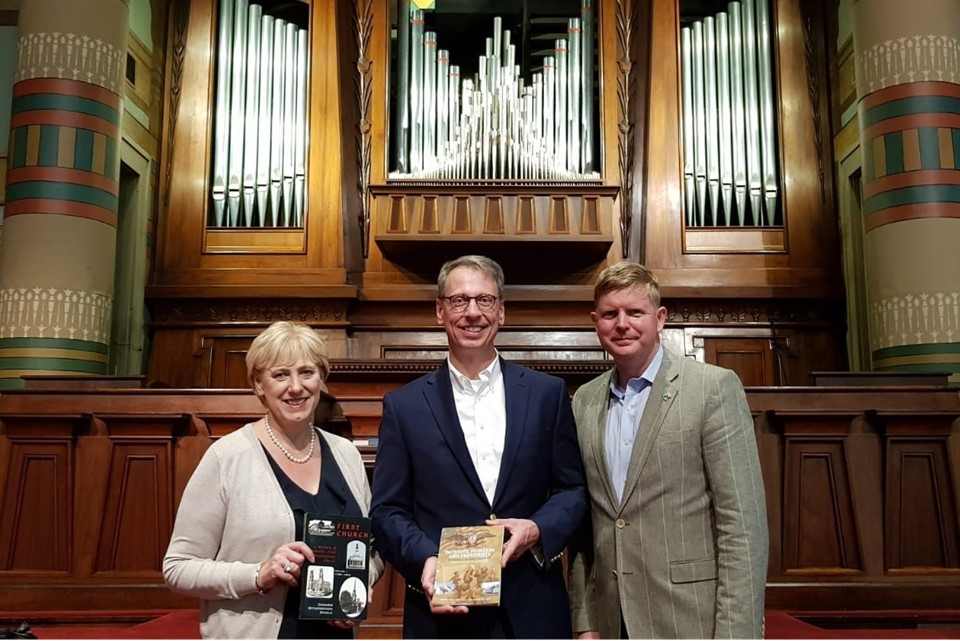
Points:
260	131
492	125
729	132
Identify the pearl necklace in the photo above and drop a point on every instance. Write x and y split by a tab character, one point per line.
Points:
296	459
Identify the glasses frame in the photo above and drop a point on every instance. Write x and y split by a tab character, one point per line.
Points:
476	299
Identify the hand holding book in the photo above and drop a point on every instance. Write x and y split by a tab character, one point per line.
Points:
523	535
468	566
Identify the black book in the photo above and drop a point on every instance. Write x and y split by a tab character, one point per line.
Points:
334	586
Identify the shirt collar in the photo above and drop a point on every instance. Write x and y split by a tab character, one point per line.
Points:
462	382
637	383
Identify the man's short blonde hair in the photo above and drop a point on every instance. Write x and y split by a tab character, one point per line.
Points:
625	275
285	342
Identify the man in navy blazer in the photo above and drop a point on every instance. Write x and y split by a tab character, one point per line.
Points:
479	440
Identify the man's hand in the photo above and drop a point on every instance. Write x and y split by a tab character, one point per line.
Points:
524	534
590	634
427	579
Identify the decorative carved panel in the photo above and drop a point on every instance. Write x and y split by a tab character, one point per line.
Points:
922	528
37	533
820	531
420	226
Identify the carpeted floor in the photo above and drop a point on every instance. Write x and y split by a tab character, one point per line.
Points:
183	624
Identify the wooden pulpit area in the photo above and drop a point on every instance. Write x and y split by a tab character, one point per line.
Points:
862	487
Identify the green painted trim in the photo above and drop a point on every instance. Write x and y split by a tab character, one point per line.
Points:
19	158
12	383
53	343
60	102
49	145
111	160
916	350
910	106
929	140
58	364
952	368
893	146
62	191
83	150
956	147
913	195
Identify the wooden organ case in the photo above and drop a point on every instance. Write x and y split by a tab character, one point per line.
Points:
764	299
358	259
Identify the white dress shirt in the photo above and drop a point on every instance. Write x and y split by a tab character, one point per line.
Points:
623	418
481	408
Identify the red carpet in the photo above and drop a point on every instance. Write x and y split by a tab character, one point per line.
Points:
183	624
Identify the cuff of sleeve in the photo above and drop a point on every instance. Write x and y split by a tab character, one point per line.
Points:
256	581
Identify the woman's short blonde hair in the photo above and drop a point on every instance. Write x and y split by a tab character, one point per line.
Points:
285	342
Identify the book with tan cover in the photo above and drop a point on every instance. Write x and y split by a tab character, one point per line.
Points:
468	566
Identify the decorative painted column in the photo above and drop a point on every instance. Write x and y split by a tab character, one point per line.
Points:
57	259
908	86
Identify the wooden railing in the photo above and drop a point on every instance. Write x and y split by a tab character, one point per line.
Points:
862	488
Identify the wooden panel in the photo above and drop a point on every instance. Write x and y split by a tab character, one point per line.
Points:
819	525
228	367
805	259
821	449
751	358
922	530
387	604
36	510
137	518
186	255
36	535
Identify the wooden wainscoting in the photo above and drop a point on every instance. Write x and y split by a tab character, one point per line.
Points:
861	485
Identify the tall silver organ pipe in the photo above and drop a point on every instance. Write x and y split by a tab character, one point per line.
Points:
495	124
401	122
260	133
586	117
731	175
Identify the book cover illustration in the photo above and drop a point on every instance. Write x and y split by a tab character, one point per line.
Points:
468	566
334	586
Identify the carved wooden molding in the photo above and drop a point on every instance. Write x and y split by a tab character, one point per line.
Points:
364	90
412	222
625	93
812	65
180	17
225	312
737	313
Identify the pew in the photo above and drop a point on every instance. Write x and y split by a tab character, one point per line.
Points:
862	488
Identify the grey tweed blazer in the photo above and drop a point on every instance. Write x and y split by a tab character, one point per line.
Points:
684	554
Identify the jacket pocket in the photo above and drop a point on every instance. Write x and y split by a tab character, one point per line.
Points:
691	571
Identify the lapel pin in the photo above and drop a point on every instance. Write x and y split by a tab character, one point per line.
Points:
666	396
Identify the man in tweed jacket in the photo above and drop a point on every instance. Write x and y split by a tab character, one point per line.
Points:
679	529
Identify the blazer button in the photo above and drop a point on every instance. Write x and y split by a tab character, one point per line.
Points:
621	523
493	517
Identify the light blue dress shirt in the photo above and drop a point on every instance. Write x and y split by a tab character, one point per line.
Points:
623	419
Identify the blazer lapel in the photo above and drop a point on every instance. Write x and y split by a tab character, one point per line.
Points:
439	397
516	392
600	405
662	396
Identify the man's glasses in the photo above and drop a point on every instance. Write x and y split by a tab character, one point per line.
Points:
459	302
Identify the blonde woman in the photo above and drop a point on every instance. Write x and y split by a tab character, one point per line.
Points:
237	542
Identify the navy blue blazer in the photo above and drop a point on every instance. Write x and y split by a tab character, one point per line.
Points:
424	480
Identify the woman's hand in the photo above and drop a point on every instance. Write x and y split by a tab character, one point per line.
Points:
284	565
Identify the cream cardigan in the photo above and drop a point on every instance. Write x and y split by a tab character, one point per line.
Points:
232	516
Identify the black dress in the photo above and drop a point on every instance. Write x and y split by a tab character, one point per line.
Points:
333	498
